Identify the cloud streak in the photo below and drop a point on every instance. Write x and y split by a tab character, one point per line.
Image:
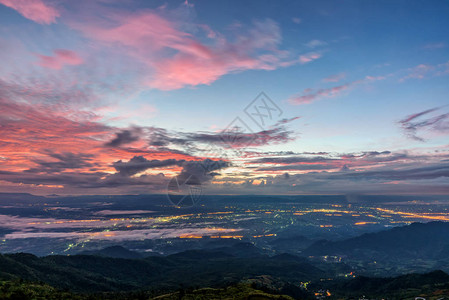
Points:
308	96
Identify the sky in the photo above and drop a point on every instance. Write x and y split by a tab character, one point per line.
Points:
248	97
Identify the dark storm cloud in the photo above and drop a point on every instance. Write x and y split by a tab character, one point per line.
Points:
117	180
157	151
316	153
85	180
204	166
235	137
376	156
304	167
66	178
65	161
366	154
125	137
139	164
254	154
202	171
426	172
368	157
294	160
240	139
160	137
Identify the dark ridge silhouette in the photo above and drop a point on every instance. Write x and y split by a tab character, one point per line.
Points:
114	252
418	240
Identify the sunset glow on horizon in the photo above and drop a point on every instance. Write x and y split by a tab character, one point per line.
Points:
255	97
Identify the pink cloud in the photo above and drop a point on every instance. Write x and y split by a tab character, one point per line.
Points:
306	58
191	70
35	10
28	130
142	34
60	58
178	59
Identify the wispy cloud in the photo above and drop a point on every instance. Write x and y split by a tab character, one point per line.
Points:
425	120
335	78
309	57
311	95
36	10
59	59
426	70
418	72
315	43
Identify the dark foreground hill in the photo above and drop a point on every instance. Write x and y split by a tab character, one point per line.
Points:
114	252
430	286
17	290
433	285
196	268
118	272
413	241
